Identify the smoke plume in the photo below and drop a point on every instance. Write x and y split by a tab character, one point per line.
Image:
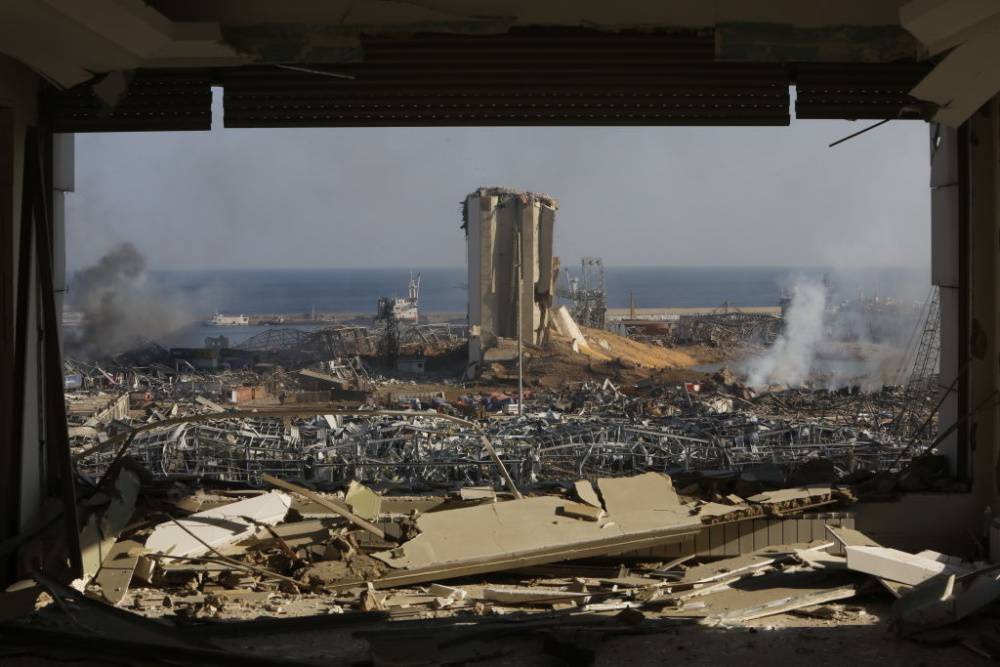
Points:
791	358
120	307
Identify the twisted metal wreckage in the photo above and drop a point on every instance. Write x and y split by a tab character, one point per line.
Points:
426	448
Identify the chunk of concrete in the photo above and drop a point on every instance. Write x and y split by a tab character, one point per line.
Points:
219	526
892	564
975	592
363	501
582	511
821	560
448	592
100	532
929	605
945	599
585	492
477	493
566	326
520	594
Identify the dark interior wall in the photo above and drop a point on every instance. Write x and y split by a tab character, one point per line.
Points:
18	108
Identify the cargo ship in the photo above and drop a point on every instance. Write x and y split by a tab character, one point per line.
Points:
220	320
407	310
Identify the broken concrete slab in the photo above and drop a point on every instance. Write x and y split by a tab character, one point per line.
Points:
782	605
929	605
848	537
477	493
744	564
642	511
585	493
946	599
523	594
797	499
101	530
821	560
583	511
218	527
441	591
324	502
294	534
954	563
118	569
758	594
363	501
976	590
893	564
638	492
712	512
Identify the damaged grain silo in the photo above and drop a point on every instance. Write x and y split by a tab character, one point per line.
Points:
504	228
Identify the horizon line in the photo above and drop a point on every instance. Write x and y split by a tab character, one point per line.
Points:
607	266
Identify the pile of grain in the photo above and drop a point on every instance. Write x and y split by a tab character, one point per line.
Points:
607	346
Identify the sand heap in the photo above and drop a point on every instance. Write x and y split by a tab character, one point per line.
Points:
607	346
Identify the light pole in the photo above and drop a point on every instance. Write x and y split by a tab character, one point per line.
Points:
520	350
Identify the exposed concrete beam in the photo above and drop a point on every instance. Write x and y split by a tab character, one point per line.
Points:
782	42
968	76
69	41
432	14
130	24
941	24
966	79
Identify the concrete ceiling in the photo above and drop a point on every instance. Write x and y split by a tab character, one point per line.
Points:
71	41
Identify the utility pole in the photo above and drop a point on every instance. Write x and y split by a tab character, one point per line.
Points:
631	305
520	350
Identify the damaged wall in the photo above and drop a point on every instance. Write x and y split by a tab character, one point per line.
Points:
20	490
32	469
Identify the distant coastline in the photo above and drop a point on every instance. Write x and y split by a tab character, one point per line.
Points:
355	291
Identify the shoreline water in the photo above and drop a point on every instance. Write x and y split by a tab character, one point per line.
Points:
342	317
195	332
351	292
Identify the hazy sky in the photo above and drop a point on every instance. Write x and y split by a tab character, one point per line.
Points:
233	198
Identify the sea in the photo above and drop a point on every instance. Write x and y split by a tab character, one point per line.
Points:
443	290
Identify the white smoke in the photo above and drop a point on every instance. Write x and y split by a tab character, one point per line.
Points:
791	358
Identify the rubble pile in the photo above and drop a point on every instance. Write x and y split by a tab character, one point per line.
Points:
720	328
609	553
198	551
645	505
